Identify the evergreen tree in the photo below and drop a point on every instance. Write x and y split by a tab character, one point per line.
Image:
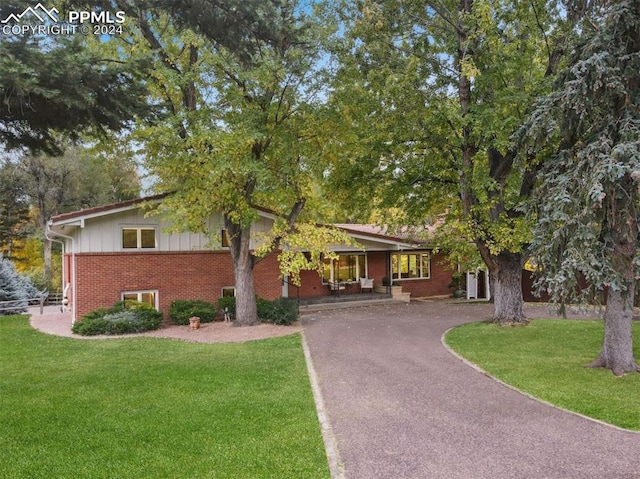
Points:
588	199
56	85
15	289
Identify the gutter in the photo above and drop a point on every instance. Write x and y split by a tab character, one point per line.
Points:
47	234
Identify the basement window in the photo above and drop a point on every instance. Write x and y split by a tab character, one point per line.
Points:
149	297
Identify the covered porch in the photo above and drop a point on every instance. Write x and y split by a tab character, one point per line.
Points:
380	267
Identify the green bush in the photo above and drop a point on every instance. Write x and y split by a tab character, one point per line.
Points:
181	310
280	311
121	318
228	302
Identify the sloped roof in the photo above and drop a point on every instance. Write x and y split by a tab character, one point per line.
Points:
404	234
96	210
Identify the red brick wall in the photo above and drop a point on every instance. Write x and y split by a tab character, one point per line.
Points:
102	277
377	267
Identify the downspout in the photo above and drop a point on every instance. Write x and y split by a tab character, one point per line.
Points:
73	268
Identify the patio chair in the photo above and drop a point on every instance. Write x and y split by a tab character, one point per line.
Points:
366	283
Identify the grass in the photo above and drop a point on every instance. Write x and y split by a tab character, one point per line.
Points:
154	408
547	358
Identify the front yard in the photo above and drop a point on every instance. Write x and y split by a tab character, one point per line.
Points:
154	408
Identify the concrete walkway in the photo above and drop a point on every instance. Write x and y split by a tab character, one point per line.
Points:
401	406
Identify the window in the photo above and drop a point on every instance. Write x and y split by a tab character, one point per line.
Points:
139	238
224	239
348	267
411	265
148	297
228	291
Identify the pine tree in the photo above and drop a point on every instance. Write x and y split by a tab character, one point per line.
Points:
15	289
589	194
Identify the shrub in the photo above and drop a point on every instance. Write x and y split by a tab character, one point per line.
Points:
181	310
228	302
121	318
281	311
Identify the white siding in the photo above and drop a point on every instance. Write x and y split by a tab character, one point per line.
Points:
103	234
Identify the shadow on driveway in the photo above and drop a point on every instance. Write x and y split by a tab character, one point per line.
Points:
401	406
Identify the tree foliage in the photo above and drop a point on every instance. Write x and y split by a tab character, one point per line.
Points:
55	85
14	289
239	129
431	95
14	210
587	208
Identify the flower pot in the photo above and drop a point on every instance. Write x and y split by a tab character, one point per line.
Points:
194	322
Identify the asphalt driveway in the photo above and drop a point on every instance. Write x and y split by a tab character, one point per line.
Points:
401	406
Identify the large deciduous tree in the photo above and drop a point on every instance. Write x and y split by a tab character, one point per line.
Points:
588	198
432	92
239	125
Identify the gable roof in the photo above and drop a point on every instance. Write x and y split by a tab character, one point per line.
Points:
404	234
105	209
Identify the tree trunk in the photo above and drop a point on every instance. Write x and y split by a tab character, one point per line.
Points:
243	263
508	302
246	307
617	345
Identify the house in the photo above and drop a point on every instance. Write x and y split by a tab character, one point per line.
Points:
116	252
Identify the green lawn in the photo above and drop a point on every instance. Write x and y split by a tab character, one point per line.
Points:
154	408
547	358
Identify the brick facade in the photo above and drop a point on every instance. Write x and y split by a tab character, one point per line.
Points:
438	282
102	277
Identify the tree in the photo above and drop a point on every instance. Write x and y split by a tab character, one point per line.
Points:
14	289
432	93
240	128
62	88
588	195
14	210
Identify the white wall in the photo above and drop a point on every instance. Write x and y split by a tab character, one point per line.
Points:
103	234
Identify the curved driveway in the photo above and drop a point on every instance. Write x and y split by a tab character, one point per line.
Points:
401	406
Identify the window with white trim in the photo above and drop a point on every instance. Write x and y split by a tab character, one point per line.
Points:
347	268
228	291
149	297
411	265
142	237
